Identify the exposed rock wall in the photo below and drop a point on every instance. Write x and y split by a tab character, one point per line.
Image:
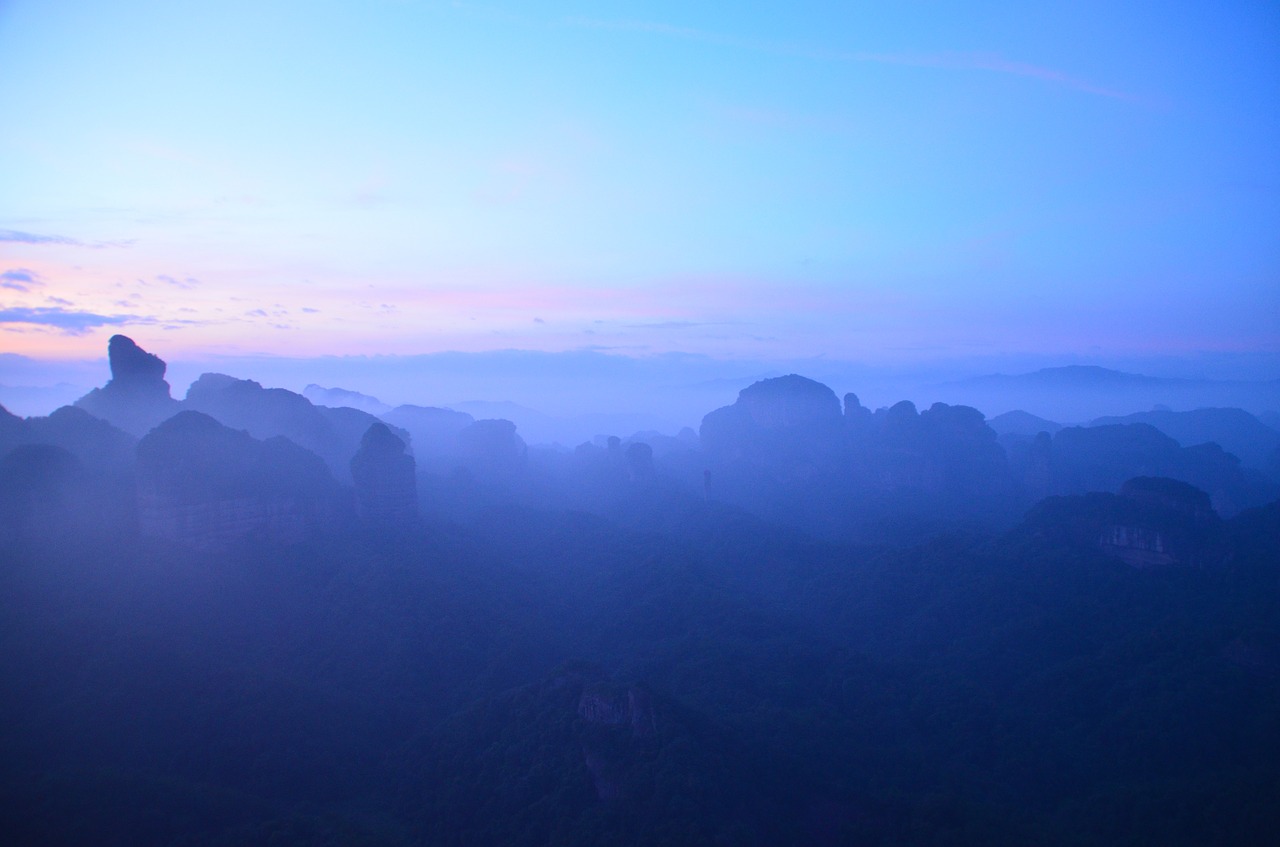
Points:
214	524
385	478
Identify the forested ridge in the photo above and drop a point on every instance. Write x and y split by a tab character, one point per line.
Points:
428	687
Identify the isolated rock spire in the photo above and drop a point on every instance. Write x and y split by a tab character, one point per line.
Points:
384	474
137	397
134	367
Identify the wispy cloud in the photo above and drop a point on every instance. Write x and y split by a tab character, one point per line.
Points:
186	283
68	321
676	324
14	236
951	60
20	279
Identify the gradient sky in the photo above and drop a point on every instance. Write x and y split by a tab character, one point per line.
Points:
863	182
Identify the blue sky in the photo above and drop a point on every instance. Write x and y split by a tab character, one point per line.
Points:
873	183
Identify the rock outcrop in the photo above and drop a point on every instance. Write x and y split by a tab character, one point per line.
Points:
492	451
137	396
780	422
207	485
1101	458
434	432
336	398
332	434
639	456
1154	522
790	401
1234	430
94	442
608	704
385	479
1168	522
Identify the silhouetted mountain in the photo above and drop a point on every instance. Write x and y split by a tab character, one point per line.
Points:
1022	423
820	625
434	432
1234	430
386	485
525	418
787	413
1079	392
788	452
89	465
46	493
207	485
96	443
492	450
332	434
137	396
1101	458
12	429
339	397
539	428
1152	522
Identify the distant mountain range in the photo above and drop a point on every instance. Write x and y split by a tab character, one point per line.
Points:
39	399
1079	393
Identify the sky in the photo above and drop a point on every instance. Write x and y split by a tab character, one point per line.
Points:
881	184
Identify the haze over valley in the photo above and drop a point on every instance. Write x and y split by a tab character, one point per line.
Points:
568	424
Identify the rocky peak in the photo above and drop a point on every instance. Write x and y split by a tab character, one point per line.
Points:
137	396
791	400
1169	495
133	366
385	477
639	460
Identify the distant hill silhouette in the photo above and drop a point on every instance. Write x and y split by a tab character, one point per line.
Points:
96	444
1023	423
1078	393
1235	430
333	434
338	397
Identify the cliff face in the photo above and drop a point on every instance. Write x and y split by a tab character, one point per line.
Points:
385	478
610	705
206	485
1154	522
214	524
1138	546
1167	522
790	424
493	451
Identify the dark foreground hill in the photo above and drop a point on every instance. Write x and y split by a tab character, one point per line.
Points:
543	677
